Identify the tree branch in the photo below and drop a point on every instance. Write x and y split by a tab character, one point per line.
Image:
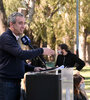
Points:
53	13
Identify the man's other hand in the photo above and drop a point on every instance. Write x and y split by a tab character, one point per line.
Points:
37	69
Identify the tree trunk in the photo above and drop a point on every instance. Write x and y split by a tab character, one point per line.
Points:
2	18
88	54
83	44
82	47
31	6
85	37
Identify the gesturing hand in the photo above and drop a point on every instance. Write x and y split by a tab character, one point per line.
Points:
48	51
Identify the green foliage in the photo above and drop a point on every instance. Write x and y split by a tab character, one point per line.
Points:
88	39
11	6
59	21
47	13
85	14
40	31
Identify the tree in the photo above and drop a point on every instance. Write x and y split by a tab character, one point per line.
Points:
44	12
11	6
2	17
84	26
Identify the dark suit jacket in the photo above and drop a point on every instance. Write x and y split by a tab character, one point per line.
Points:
12	57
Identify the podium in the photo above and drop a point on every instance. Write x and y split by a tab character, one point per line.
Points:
50	85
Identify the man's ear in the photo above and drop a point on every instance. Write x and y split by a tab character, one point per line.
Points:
11	24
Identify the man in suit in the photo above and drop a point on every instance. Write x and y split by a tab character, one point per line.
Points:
12	58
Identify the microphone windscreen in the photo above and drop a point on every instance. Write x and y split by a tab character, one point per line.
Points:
25	40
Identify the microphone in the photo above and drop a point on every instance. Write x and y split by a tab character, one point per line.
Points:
26	41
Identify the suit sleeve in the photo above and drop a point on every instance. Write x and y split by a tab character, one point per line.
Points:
11	46
79	63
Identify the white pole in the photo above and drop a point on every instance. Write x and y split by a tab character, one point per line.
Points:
77	27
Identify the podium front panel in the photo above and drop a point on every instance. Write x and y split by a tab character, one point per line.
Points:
67	83
43	87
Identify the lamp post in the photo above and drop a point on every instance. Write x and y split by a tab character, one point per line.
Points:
77	27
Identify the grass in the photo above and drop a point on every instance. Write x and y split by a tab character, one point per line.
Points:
86	73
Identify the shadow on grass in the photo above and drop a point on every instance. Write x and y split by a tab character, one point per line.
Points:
87	78
85	70
87	83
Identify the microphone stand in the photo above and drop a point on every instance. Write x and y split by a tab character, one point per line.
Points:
30	46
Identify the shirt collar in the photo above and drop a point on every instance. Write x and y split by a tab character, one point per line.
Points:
17	37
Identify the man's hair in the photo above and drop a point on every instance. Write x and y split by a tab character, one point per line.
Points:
63	46
12	18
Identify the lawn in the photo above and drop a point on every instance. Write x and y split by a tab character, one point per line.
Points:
86	73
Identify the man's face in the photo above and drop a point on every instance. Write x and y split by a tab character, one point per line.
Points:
19	26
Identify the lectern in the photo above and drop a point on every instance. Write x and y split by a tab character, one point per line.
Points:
50	85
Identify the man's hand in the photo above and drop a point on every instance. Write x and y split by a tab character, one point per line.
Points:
48	51
37	69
